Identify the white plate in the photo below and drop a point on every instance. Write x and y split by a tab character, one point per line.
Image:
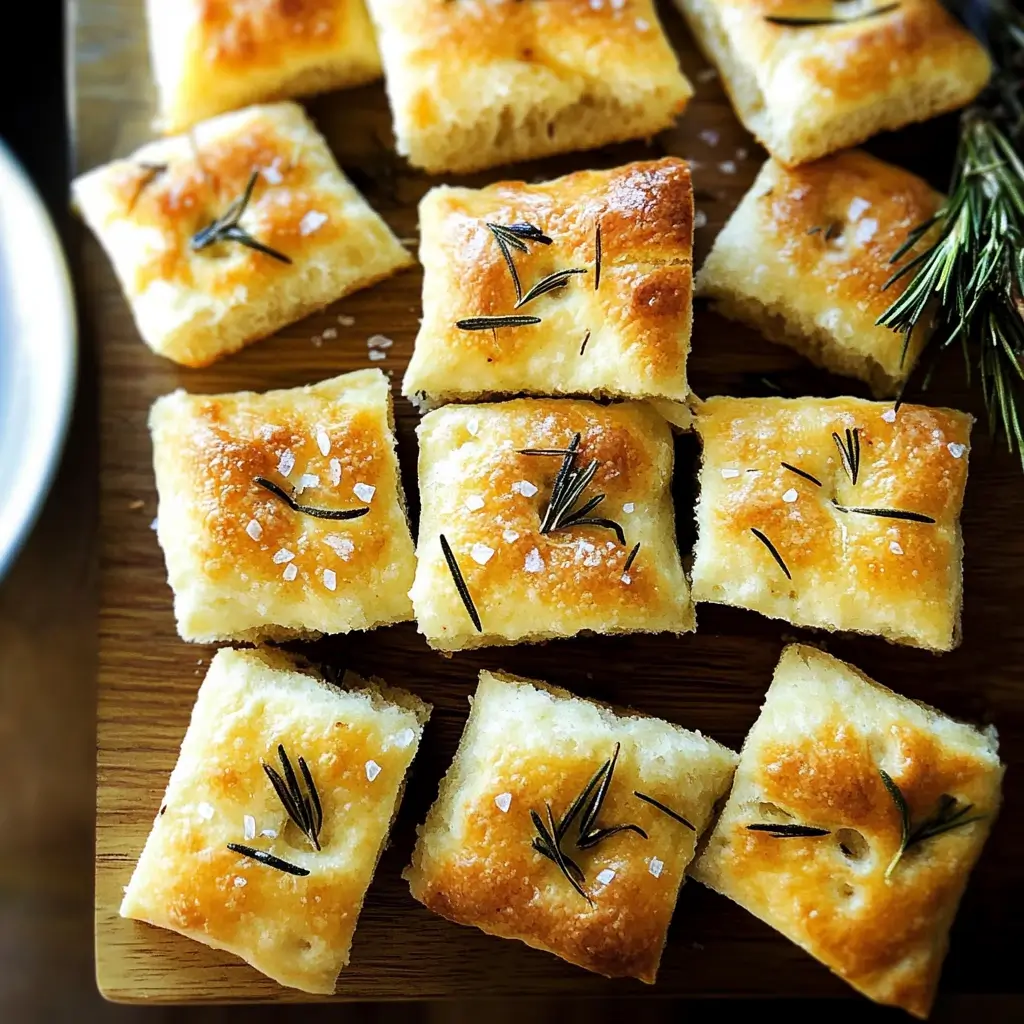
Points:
37	354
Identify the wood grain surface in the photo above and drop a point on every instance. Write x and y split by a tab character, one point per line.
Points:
713	680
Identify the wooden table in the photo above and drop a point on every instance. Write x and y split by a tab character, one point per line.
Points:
713	680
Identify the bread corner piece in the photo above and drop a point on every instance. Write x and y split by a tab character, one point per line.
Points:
476	85
209	58
788	527
485	486
194	305
322	545
805	259
529	746
809	90
814	760
294	923
619	327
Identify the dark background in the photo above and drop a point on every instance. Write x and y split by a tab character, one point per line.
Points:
47	711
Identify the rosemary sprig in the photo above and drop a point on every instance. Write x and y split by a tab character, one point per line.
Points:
587	807
675	815
801	472
225	228
516	236
597	256
849	452
948	815
262	857
570	483
796	21
303	808
780	831
559	279
969	276
773	550
586	341
885	513
309	510
489	323
460	582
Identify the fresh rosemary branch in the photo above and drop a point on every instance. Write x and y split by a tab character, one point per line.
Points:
970	275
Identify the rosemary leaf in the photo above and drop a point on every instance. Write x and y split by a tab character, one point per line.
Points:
849	452
559	279
773	550
801	472
586	341
309	510
675	815
262	857
782	831
597	256
488	323
460	583
303	808
632	557
885	513
796	21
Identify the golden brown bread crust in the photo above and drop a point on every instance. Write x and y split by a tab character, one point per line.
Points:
228	577
476	83
638	319
195	306
532	744
806	91
849	571
296	929
813	758
806	255
536	586
211	56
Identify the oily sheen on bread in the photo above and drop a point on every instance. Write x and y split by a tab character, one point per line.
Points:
242	562
477	83
528	746
814	759
356	742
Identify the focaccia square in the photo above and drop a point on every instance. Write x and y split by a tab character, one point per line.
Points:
618	325
810	840
211	56
243	561
476	83
529	747
841	514
806	255
807	89
531	569
195	302
228	863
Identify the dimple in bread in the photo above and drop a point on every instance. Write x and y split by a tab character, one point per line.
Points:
528	746
194	305
531	577
292	918
212	56
805	259
618	327
844	892
244	564
476	83
857	532
808	90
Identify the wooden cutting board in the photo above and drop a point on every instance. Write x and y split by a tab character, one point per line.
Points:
713	681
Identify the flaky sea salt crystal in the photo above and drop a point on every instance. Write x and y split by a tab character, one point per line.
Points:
895	548
510	536
205	810
330	579
503	801
379	341
404	737
474	503
240	881
372	770
323	441
889	415
290	572
700	219
629	507
525	488
364	492
857	207
790	496
248	826
605	876
334	472
286	463
254	529
956	450
341	546
283	555
729	474
312	220
655	867
481	553
534	563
